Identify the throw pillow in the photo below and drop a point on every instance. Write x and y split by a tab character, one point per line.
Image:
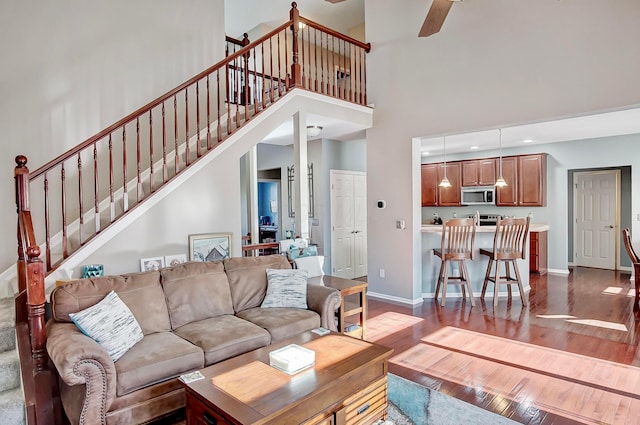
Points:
111	324
286	288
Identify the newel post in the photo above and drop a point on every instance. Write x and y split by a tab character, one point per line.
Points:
246	89
30	267
296	76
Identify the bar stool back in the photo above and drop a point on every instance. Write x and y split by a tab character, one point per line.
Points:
458	238
509	244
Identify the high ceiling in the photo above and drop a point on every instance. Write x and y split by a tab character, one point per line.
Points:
244	15
563	130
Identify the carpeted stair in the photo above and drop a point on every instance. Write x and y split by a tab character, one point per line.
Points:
11	396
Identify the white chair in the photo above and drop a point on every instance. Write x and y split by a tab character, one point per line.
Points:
286	244
313	265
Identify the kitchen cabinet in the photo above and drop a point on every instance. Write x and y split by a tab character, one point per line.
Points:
538	252
450	196
507	196
526	177
429	183
479	172
532	180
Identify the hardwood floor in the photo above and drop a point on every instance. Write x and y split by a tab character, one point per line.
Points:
570	356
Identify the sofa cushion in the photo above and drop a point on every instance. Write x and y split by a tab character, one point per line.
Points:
248	278
111	324
286	288
223	337
141	292
282	323
196	291
158	357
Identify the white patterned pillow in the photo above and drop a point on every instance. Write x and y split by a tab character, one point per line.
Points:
111	324
286	288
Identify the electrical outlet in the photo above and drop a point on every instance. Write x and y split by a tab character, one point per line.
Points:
382	273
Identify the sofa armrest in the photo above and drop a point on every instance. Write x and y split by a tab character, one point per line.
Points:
325	301
80	360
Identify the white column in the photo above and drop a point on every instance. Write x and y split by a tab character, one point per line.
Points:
301	182
252	170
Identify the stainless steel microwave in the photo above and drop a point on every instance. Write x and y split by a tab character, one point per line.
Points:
478	195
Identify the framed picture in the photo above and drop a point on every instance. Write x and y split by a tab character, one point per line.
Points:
209	246
174	260
153	263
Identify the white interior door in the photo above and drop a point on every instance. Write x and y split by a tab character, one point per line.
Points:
342	236
348	224
596	218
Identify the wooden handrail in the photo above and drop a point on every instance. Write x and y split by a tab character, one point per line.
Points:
333	33
165	97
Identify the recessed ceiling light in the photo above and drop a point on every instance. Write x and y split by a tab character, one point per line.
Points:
473	147
425	153
527	141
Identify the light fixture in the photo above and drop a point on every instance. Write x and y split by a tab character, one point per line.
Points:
527	141
313	130
500	182
445	181
474	147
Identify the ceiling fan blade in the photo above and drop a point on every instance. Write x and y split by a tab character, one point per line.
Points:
435	18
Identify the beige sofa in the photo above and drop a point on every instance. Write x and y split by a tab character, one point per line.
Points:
191	315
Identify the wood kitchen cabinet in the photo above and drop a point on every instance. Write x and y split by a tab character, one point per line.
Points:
429	183
526	177
507	196
450	196
538	252
479	172
532	180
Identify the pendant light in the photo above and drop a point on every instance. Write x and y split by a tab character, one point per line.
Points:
500	182
445	181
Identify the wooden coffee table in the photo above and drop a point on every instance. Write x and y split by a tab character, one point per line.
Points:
347	385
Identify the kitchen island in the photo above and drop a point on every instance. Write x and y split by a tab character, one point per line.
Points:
431	238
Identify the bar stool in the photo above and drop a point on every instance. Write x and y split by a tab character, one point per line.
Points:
458	238
509	244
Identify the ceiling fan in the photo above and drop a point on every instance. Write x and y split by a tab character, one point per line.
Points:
435	18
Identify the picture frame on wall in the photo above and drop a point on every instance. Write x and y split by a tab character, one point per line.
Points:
151	263
174	260
209	246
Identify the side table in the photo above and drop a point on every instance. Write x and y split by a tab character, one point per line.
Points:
353	306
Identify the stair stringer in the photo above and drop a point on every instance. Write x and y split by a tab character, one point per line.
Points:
239	142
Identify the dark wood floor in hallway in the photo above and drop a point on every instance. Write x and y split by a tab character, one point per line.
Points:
570	356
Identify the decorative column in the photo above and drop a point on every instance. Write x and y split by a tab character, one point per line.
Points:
301	182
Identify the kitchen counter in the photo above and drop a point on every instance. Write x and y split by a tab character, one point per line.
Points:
431	238
437	228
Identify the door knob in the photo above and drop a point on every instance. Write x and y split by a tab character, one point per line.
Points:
610	227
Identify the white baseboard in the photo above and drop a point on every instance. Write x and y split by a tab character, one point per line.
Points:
558	271
394	299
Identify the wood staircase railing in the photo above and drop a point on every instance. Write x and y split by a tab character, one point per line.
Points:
83	191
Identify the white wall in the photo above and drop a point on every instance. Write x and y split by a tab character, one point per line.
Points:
493	64
72	68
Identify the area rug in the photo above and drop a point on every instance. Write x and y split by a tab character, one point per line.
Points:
414	404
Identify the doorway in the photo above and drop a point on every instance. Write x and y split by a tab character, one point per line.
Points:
596	208
269	210
348	223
